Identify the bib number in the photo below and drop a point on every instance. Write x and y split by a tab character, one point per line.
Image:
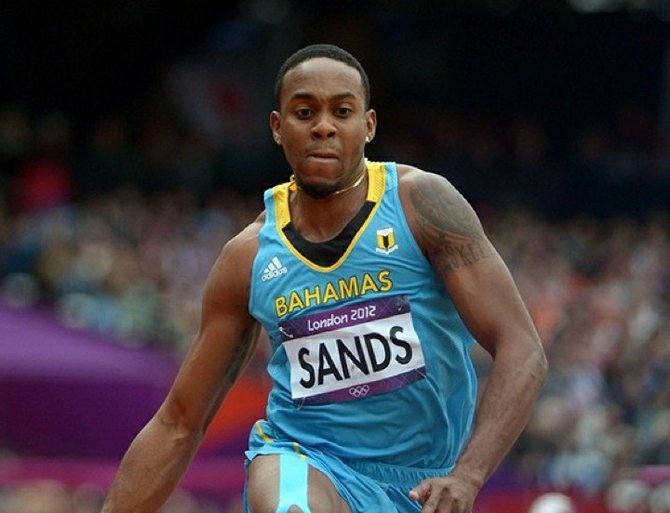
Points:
353	352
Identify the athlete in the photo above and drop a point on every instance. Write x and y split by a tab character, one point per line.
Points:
373	280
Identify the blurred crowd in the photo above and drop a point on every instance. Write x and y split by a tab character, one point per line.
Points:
104	233
115	231
599	293
50	496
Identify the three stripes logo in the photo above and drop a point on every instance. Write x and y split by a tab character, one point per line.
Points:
273	270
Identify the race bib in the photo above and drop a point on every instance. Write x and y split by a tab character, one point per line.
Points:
353	351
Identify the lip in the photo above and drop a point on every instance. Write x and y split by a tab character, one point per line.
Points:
323	154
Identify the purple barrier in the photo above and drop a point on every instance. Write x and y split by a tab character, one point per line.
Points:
70	393
217	477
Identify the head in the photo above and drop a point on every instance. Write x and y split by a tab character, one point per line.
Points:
321	50
323	120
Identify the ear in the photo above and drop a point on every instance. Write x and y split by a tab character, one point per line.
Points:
275	125
371	124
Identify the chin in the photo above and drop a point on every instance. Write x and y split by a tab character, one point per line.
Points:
317	191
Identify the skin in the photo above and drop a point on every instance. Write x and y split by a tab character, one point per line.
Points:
487	299
322	125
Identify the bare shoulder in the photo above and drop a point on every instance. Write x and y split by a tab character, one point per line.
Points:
242	248
443	222
230	275
247	239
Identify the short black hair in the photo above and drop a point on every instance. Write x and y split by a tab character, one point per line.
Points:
322	50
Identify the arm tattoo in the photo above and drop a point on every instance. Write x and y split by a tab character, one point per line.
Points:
242	355
449	229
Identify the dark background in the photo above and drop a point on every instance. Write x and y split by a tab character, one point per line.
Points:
549	59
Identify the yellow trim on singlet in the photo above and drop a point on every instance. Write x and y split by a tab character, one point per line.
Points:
376	186
296	448
268	440
260	432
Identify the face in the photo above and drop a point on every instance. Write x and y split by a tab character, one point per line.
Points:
322	124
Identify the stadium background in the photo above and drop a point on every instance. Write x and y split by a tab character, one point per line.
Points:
134	143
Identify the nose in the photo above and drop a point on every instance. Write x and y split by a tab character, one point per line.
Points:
323	127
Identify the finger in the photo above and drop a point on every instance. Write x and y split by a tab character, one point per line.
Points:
420	492
431	503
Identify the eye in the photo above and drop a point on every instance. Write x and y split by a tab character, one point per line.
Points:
343	112
303	113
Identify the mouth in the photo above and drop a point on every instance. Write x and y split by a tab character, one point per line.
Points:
323	154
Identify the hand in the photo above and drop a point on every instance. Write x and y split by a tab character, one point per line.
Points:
449	494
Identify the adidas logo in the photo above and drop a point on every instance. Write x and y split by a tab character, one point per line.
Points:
273	270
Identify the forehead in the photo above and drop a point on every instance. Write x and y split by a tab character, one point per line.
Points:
322	76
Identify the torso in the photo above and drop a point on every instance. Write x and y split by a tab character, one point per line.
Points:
363	334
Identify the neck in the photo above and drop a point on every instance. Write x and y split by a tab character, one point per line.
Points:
321	218
358	181
337	192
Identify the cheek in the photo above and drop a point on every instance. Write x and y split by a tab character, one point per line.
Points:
291	138
291	151
290	147
356	146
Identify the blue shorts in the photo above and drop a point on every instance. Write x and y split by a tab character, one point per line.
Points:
367	487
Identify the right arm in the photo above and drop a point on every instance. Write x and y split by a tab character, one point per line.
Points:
160	454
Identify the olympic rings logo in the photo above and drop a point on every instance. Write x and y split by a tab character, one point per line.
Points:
359	391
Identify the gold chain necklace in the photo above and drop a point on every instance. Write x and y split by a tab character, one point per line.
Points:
358	181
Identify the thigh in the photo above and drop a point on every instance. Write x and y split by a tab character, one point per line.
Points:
277	481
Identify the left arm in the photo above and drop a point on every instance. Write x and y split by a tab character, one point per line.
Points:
482	288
